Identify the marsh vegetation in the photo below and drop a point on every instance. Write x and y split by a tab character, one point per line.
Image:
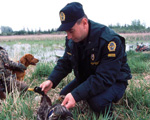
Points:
134	105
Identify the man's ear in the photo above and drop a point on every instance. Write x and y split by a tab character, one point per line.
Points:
84	21
85	25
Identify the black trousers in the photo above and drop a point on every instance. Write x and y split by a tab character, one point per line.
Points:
101	102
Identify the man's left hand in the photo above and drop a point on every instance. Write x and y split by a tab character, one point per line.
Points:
69	101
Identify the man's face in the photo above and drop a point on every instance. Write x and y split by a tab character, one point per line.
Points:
78	32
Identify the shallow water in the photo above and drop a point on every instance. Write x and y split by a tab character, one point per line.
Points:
44	54
133	46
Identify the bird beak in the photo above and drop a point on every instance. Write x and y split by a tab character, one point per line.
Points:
30	89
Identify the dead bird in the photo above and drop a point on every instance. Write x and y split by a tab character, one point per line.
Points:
47	111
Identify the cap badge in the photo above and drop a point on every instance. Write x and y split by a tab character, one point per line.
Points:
112	46
62	16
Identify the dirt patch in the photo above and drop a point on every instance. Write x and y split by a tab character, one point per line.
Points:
31	37
134	34
147	78
50	36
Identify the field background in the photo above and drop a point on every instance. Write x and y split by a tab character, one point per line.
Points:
48	36
133	106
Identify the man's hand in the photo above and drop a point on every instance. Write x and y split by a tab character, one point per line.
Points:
46	86
69	101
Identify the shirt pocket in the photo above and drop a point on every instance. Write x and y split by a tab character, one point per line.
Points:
94	59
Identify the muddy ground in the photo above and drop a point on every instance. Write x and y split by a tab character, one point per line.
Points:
30	37
50	36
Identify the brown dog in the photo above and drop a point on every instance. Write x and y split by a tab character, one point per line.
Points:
26	60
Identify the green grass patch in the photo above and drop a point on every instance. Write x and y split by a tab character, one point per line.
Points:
42	70
17	107
136	100
139	62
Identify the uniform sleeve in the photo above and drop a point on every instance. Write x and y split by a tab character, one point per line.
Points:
61	70
105	74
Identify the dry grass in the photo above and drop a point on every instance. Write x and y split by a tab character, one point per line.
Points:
31	37
49	36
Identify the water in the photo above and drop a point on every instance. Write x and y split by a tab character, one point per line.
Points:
133	46
44	54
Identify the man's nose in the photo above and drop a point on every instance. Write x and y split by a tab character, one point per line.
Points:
69	36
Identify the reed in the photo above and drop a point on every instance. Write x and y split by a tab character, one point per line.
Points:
135	104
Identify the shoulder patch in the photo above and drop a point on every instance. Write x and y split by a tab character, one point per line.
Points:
111	46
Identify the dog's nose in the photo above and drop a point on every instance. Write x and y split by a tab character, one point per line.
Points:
37	60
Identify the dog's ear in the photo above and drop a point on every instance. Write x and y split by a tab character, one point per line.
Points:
29	57
23	60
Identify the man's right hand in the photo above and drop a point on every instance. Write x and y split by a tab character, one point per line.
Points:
46	86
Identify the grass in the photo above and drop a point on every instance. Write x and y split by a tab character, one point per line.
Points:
139	62
134	106
44	43
42	70
137	39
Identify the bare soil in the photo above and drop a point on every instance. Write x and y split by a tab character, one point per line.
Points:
50	36
31	37
134	34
